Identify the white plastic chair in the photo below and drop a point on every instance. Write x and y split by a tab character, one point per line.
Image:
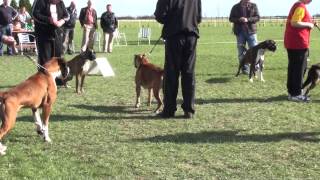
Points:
144	34
119	37
26	43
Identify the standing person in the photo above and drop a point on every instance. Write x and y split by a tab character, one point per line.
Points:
7	15
109	24
88	21
68	28
297	41
24	17
244	16
49	16
180	19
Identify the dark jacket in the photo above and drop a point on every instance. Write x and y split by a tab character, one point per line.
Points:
108	22
7	14
41	14
252	14
82	17
178	16
73	18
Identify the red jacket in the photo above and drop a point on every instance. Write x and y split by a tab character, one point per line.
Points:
297	38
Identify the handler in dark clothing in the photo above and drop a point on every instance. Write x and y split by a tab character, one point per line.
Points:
180	19
49	16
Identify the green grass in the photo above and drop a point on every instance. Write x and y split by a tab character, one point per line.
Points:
241	130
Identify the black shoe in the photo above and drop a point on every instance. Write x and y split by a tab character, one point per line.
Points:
188	115
165	115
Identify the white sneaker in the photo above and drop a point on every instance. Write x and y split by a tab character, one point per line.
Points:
299	98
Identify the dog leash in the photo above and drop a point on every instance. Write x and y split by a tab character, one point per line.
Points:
36	63
157	42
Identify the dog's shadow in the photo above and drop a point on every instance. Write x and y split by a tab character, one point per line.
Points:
220	137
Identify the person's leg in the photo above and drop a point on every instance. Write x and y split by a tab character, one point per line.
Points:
252	40
91	38
241	46
188	75
105	41
173	52
70	41
65	40
9	33
296	68
110	43
85	39
45	48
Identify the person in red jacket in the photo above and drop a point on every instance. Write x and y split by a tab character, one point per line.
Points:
297	41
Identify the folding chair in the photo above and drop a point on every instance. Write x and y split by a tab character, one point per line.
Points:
144	34
26	43
118	37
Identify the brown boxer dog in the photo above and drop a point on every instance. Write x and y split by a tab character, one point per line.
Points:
79	67
37	92
149	77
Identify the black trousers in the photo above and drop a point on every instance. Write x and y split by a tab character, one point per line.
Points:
180	57
296	69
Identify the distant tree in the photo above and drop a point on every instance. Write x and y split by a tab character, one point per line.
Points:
14	4
25	3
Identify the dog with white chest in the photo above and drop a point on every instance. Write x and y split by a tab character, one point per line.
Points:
255	57
37	92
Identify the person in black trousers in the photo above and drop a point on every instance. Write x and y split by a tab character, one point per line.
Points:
49	16
180	19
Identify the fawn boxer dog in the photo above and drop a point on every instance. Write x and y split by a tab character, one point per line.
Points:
149	77
37	92
79	67
255	57
313	78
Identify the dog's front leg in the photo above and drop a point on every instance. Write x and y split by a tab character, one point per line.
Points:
82	82
46	114
77	83
2	149
138	91
149	97
38	122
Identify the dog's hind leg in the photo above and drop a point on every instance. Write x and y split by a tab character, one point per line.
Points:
2	147
138	91
9	115
37	121
156	92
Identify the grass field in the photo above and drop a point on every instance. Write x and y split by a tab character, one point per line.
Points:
241	130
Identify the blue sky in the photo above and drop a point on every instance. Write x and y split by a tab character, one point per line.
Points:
211	8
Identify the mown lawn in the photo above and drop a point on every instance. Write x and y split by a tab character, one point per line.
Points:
241	130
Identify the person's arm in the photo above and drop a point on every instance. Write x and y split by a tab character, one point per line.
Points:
199	12
256	17
162	11
81	17
296	20
102	21
116	22
95	19
233	15
39	5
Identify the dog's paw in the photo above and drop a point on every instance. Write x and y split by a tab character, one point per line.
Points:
251	80
47	139
137	105
262	80
3	149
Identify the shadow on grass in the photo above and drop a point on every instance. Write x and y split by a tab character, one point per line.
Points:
220	137
218	80
108	113
242	100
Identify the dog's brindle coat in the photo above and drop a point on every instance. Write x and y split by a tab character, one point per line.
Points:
149	77
255	57
38	91
79	67
313	78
